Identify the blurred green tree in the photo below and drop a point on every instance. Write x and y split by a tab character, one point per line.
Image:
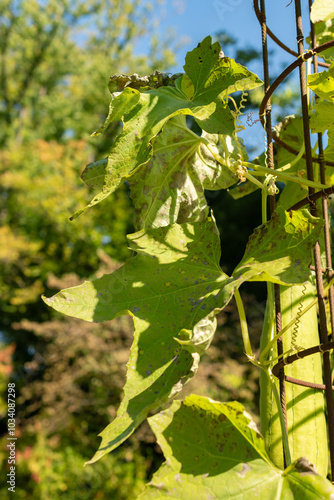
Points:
56	57
55	61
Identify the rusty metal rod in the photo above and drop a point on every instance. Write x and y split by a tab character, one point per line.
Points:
324	199
270	159
277	40
324	193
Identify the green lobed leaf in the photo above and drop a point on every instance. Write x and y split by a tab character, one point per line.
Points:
322	118
211	74
94	174
119	106
174	282
170	260
214	451
290	130
280	251
172	288
170	188
151	109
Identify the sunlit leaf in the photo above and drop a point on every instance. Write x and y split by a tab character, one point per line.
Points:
322	83
325	33
174	282
172	288
322	10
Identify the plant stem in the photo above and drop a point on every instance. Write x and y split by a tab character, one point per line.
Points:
260	170
226	151
253	179
293	162
264	205
282	175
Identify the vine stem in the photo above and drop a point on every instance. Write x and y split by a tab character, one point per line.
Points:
264	198
294	161
248	348
260	170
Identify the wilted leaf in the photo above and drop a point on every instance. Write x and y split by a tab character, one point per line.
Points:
117	83
170	188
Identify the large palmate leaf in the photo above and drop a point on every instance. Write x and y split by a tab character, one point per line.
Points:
172	288
214	451
174	282
199	93
170	188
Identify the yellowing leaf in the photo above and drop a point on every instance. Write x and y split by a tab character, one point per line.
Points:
322	10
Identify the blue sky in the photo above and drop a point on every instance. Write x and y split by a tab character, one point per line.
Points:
195	19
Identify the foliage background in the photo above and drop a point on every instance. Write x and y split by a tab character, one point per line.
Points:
55	60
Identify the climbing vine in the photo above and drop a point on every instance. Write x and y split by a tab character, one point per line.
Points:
173	286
